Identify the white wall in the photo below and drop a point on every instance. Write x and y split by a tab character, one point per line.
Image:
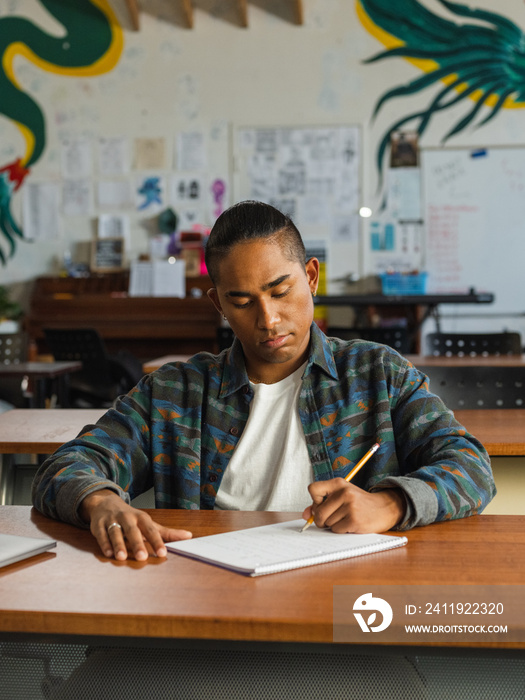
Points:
215	78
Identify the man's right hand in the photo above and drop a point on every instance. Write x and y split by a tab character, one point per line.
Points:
133	530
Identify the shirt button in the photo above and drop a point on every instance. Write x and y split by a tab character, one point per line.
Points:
213	477
234	431
245	390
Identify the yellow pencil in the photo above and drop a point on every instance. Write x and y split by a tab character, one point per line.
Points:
349	476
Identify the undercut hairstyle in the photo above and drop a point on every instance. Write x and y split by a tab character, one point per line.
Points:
249	221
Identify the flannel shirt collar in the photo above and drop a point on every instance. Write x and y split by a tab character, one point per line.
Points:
235	377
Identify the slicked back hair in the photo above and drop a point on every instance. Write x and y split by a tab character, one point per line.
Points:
248	221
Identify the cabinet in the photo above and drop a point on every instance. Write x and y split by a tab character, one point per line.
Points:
146	326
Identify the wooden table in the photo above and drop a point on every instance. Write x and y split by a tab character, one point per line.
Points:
152	365
41	431
478	361
33	431
37	431
42	373
501	430
180	598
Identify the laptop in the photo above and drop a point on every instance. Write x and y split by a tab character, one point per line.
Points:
15	548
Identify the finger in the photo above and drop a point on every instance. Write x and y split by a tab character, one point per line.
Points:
135	540
341	520
107	545
307	512
325	512
156	535
116	538
321	490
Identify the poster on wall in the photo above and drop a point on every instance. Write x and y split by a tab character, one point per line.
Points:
309	173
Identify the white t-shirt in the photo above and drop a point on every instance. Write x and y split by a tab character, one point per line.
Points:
270	468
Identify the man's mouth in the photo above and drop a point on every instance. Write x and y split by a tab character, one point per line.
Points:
275	341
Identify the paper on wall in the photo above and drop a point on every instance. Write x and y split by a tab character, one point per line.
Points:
113	156
114	194
150	154
40	206
191	151
76	158
77	197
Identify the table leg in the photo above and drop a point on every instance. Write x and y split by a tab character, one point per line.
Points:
6	479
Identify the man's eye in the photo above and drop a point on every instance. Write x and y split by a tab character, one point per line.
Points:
282	294
242	306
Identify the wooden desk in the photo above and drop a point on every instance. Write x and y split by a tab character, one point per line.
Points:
37	596
479	361
42	373
37	431
152	365
501	430
148	617
42	431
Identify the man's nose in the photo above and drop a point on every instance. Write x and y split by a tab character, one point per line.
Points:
268	315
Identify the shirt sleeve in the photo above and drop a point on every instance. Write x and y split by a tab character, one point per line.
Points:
113	454
446	472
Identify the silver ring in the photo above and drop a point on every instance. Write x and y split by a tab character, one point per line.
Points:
114	525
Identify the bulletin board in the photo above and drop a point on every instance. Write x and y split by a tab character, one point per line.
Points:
313	175
474	214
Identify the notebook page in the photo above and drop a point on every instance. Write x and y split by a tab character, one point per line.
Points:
280	546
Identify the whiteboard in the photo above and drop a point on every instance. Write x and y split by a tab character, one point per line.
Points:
310	173
474	214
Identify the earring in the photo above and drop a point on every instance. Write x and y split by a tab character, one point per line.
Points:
224	317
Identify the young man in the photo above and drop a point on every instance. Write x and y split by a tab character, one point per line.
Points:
273	423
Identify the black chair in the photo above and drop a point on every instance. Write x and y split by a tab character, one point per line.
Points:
396	337
103	377
472	344
478	387
13	351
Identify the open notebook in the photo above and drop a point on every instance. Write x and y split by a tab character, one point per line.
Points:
280	547
14	547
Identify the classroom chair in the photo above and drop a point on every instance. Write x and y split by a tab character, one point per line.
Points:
396	337
478	387
472	344
13	351
103	377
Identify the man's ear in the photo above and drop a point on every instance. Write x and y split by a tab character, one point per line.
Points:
212	294
312	273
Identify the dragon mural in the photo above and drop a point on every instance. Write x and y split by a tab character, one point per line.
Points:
91	44
483	60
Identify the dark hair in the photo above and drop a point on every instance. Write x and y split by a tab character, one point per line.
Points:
247	221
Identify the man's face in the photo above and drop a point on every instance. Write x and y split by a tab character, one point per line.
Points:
267	300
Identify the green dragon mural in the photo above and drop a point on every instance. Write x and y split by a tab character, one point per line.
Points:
483	61
91	45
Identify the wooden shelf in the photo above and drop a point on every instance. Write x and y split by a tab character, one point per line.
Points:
146	326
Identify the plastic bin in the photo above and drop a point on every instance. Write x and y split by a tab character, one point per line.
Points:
400	283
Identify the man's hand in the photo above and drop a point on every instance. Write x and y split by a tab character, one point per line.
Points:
137	529
344	507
